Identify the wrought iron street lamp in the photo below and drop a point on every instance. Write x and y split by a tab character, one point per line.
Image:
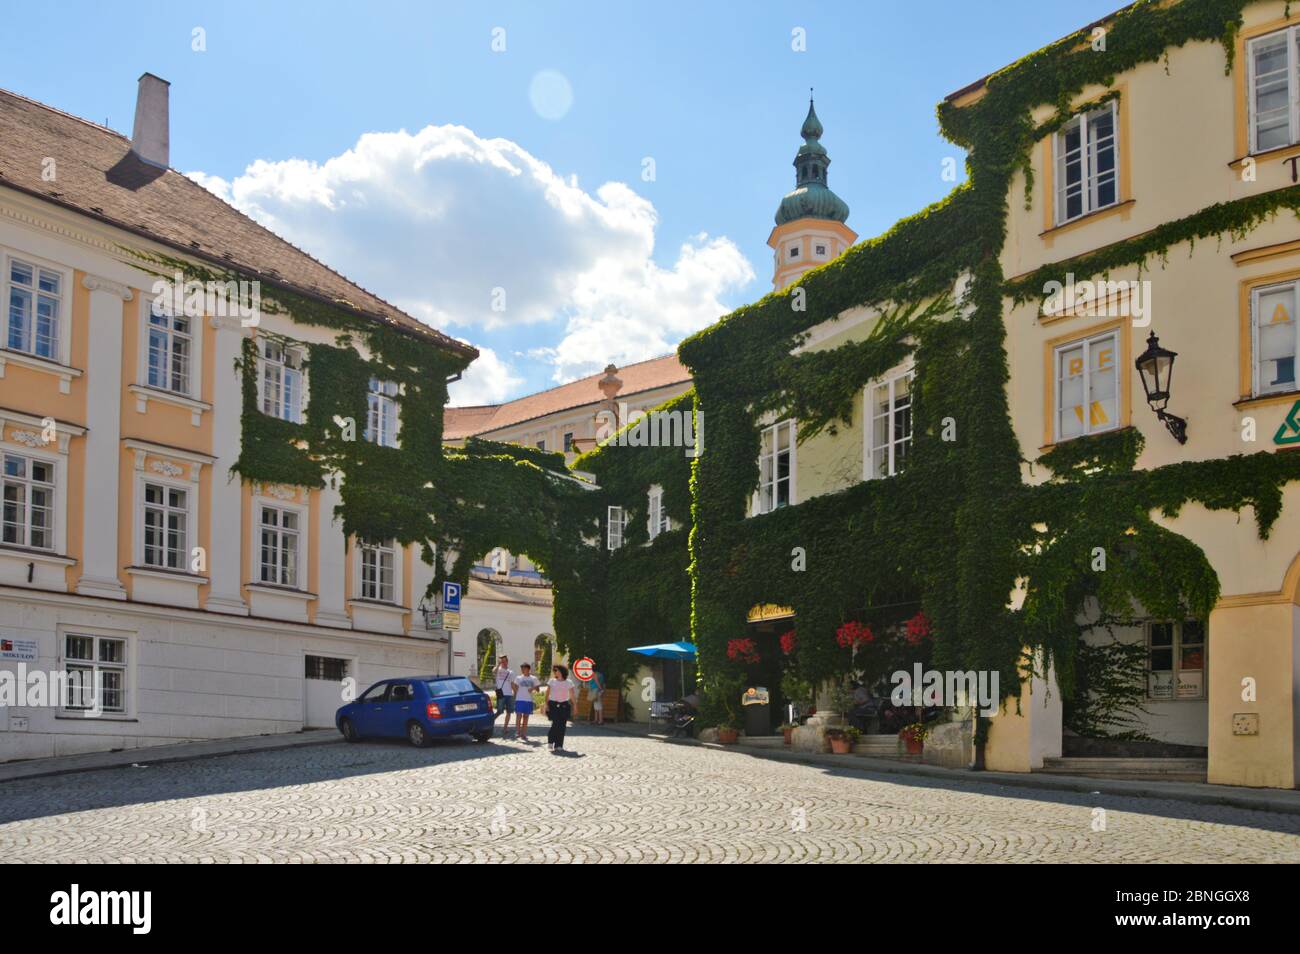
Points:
1156	367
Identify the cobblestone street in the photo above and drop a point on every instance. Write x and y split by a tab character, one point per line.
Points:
615	798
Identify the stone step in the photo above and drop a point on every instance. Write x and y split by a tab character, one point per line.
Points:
1166	769
878	745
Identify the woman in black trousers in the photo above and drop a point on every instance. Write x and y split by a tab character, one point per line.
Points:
559	706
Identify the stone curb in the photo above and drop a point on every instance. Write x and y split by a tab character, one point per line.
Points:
1269	800
160	754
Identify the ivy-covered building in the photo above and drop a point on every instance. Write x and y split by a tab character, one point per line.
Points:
939	445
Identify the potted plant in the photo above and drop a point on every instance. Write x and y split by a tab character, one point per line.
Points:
728	733
913	737
787	730
843	738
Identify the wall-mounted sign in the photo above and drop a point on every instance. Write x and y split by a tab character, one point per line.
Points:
766	611
1289	432
23	650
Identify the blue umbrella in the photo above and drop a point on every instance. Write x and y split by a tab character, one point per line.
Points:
678	651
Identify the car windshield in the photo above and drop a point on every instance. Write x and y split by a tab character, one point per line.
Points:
450	687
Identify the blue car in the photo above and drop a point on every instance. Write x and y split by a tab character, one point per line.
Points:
418	708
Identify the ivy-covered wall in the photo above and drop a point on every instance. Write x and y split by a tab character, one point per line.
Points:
958	531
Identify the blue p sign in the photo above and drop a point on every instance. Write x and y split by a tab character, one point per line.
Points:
451	597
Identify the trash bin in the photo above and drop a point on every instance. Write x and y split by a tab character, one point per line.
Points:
757	707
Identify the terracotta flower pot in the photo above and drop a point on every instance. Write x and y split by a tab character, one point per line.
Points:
788	732
913	744
728	736
841	745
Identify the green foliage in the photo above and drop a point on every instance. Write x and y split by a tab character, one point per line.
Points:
1109	696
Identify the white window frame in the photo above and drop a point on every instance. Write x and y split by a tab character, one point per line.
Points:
1089	178
63	344
286	367
1120	383
54	453
1176	660
1293	89
657	521
29	484
870	452
188	511
390	547
1258	387
95	665
190	398
170	335
756	506
615	524
383	421
282	537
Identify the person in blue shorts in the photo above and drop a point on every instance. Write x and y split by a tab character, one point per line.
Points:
525	683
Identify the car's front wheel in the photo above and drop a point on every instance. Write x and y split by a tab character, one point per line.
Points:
417	736
349	731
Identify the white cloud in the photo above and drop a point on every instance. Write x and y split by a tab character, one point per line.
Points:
444	223
489	380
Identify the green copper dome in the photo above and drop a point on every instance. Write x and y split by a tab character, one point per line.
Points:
811	198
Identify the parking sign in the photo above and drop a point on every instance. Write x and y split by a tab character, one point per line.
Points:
450	597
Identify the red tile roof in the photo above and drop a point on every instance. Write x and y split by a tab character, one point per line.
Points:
98	176
460	422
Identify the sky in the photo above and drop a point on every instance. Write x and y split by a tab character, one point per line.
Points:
563	185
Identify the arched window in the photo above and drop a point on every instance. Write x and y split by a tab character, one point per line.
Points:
543	655
488	641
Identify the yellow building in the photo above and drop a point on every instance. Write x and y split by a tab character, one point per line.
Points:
1158	203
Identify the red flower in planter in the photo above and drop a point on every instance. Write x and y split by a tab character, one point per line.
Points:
918	628
789	642
854	634
743	650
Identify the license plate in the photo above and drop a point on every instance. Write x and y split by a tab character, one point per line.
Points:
467	707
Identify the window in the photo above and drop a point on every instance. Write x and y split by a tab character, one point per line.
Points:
279	560
381	419
1087	387
328	668
376	693
1273	95
166	512
96	668
1176	660
616	521
1086	164
794	251
169	351
889	405
658	516
775	467
377	572
281	380
821	249
1275	337
541	445
35	310
28	502
568	442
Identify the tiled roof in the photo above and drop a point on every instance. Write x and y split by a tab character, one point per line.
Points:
98	176
460	422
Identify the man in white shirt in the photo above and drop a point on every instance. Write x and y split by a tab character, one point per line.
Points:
505	682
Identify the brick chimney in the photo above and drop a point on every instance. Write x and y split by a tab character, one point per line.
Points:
151	139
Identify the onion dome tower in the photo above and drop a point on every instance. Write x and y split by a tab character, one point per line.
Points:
810	229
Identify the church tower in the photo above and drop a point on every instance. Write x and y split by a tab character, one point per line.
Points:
810	229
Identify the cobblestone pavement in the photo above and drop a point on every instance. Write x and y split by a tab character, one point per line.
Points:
615	798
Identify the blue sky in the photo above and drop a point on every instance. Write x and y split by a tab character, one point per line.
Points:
514	204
